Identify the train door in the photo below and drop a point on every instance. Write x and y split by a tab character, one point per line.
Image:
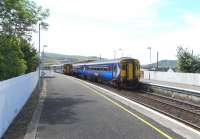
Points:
127	72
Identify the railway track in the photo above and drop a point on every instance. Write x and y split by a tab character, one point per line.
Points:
193	108
176	109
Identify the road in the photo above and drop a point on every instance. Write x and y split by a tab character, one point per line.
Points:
73	111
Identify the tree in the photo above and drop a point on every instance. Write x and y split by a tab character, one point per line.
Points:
11	58
187	61
18	20
30	55
20	17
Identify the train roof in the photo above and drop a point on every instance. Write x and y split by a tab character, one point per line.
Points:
105	62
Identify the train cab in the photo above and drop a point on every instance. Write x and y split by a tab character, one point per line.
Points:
67	69
129	72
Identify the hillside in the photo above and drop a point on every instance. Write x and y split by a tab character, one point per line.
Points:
162	64
54	58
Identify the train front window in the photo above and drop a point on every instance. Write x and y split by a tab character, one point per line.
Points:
123	67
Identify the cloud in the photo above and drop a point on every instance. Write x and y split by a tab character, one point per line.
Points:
91	27
191	19
102	9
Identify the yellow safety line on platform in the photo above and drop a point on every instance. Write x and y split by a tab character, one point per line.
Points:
134	115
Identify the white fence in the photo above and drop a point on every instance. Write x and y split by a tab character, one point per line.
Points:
184	78
13	95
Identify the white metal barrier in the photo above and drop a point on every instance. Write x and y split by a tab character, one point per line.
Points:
13	95
175	77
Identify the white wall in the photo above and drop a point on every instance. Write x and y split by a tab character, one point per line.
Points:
184	78
13	95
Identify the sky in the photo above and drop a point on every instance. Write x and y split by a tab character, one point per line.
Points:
123	27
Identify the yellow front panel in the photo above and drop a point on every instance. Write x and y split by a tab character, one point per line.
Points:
138	71
123	73
67	69
130	71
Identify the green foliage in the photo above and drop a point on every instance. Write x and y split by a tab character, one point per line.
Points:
30	55
187	62
18	20
11	58
20	17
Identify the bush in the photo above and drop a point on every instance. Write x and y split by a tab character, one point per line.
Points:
30	55
11	57
18	20
187	62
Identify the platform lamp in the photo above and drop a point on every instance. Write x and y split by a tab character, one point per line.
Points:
115	53
43	56
149	60
149	55
120	49
45	27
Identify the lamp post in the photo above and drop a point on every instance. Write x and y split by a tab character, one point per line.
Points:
157	61
149	55
100	56
150	61
120	49
39	58
114	54
43	57
44	25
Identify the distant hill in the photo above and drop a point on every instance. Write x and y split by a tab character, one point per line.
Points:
162	64
54	58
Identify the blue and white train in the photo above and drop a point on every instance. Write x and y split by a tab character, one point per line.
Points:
122	73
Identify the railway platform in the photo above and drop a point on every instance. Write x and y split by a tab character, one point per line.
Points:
73	109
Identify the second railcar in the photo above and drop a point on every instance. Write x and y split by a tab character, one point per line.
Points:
67	69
